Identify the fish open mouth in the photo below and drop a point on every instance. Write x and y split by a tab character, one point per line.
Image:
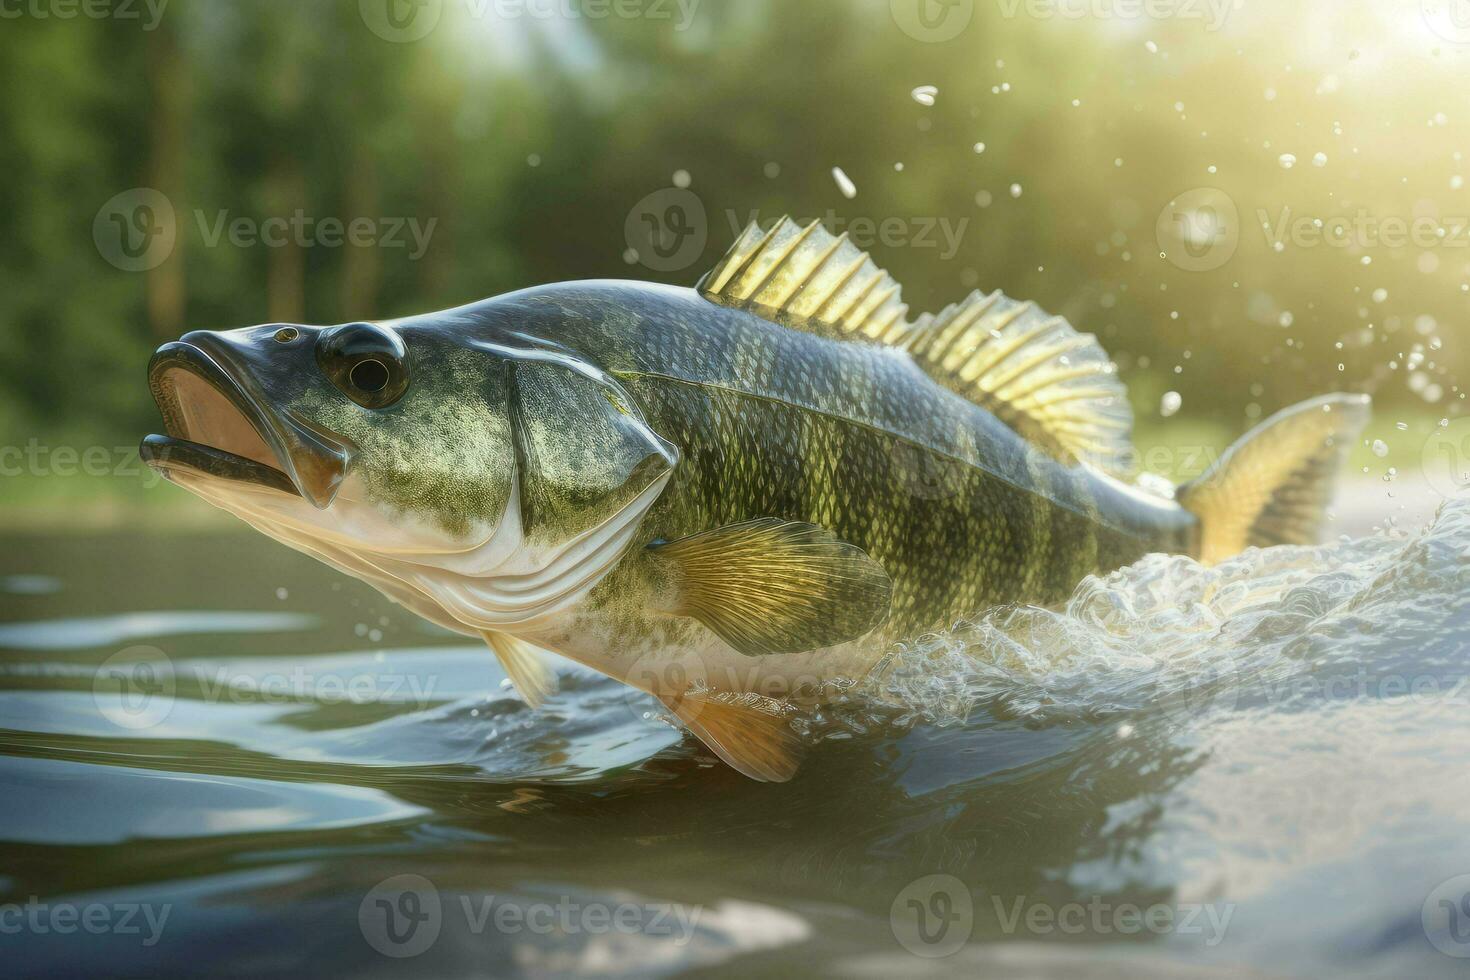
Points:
213	426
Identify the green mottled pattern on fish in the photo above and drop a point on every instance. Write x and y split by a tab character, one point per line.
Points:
726	496
959	510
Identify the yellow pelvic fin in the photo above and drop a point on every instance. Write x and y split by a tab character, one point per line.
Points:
772	586
525	666
747	731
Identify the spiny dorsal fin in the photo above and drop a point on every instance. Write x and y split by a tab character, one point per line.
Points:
808	279
1054	386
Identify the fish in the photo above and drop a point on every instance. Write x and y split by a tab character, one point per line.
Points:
728	496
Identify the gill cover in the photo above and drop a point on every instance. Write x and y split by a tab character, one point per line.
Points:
584	454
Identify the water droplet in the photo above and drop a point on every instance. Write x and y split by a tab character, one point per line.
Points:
1380	448
844	183
924	94
1170	404
979	147
1287	160
681	178
1015	190
1380	295
1319	159
281	593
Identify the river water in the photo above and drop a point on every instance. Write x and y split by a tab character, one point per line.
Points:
218	757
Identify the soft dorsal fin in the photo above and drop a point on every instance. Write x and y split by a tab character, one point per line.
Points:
1055	387
808	279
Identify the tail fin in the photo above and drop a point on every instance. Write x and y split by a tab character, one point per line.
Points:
1274	485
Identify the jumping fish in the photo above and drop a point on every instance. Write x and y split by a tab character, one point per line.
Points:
725	496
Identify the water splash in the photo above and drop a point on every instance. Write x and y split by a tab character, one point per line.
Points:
1169	634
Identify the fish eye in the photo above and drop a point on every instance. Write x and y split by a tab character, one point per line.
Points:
286	334
369	375
367	362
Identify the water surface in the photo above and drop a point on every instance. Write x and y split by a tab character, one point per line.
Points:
226	759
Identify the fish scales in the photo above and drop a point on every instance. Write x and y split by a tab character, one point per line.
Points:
730	496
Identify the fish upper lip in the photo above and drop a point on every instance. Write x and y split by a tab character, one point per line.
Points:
312	465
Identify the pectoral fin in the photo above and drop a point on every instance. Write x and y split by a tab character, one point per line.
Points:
772	586
525	667
748	732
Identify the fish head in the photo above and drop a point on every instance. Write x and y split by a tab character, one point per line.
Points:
482	484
